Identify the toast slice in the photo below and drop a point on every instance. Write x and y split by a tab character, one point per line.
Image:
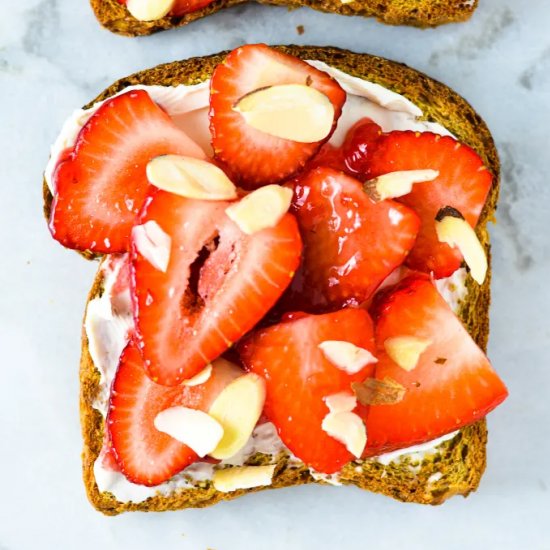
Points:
419	13
458	464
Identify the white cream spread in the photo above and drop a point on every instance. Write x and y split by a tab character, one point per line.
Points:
109	318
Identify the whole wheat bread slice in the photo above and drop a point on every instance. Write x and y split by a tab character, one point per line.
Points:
460	462
419	13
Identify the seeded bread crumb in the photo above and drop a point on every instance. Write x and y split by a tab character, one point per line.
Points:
458	466
419	13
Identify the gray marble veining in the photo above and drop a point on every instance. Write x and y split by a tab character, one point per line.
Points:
54	57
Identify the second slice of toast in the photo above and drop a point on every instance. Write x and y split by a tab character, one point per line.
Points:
419	13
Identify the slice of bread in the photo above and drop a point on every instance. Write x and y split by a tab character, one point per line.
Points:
419	13
457	466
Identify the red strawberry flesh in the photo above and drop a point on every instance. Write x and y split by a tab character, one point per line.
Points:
453	383
219	283
101	185
257	157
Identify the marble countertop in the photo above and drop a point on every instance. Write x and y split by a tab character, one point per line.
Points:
55	57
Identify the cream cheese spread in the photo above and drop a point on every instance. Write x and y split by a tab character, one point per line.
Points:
109	318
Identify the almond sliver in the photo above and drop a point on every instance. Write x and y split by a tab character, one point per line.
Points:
347	356
406	350
149	10
191	178
290	111
261	209
397	184
347	428
454	230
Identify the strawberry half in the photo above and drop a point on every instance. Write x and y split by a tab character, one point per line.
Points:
101	185
351	244
463	183
145	455
453	383
257	157
218	284
299	377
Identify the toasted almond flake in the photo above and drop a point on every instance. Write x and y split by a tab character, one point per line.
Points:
153	244
396	184
347	356
238	408
347	428
378	392
406	350
260	209
454	230
191	178
242	477
341	402
149	10
194	428
295	112
199	378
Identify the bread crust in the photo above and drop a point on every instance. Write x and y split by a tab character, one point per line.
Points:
419	13
461	461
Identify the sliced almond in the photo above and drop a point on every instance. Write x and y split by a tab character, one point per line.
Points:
347	428
191	178
454	230
379	392
242	477
149	10
341	402
347	356
194	428
260	209
153	244
406	350
237	409
290	111
396	184
199	378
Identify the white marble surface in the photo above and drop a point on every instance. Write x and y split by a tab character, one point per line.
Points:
54	57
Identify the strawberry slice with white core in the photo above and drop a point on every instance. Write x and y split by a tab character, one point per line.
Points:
300	379
351	243
100	186
257	157
219	282
452	384
463	183
145	455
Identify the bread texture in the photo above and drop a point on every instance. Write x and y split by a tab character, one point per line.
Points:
458	465
419	13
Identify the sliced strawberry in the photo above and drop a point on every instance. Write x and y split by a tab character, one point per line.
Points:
219	283
101	185
257	157
143	454
357	148
181	7
463	183
299	377
351	244
453	383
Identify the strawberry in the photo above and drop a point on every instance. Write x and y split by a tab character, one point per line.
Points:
299	377
218	284
181	7
453	383
463	183
257	157
101	185
143	454
360	141
351	244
